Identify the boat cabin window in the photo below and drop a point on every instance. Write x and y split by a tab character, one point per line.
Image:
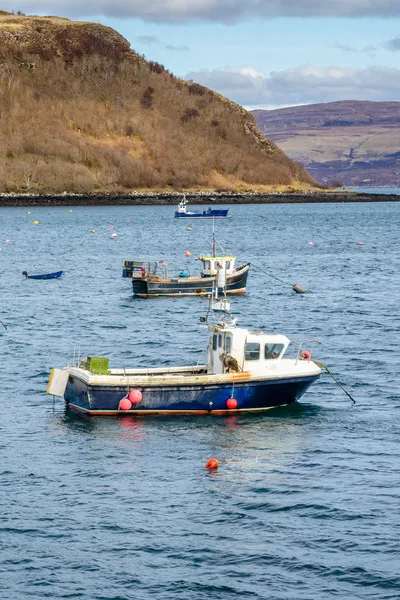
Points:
228	264
215	342
272	350
207	265
220	340
228	344
252	351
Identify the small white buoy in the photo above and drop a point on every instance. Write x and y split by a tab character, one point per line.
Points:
310	243
360	243
113	235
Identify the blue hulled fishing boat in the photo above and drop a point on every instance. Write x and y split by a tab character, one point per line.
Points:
210	213
244	371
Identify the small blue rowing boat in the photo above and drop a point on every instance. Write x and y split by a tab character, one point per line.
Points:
44	276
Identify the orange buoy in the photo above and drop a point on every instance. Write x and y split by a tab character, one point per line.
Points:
360	243
187	253
125	404
305	355
135	396
212	464
231	403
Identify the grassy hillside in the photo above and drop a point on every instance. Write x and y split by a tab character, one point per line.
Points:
352	141
81	112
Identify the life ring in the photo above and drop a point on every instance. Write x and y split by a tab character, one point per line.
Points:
305	355
143	270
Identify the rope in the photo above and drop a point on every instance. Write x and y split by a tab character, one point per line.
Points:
270	275
321	365
3	325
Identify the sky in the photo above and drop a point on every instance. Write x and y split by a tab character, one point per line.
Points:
259	53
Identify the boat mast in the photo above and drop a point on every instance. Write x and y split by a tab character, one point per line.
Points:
214	245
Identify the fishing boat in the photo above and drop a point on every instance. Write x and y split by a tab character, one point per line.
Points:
210	213
152	279
218	272
244	371
54	275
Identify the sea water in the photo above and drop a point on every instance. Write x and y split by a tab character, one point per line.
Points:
305	503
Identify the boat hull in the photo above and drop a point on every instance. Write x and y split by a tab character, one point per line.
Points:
189	286
46	276
210	214
251	396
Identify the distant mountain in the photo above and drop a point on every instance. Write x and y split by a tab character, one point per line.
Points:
355	142
80	111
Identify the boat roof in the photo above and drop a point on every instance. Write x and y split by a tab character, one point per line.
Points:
209	257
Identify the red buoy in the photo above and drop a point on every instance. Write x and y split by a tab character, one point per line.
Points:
135	396
305	354
212	464
187	253
125	404
231	403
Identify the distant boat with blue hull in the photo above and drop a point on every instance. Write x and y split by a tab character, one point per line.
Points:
54	275
210	213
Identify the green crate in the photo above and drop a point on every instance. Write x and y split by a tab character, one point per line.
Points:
97	365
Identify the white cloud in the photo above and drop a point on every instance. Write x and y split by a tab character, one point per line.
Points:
225	11
304	84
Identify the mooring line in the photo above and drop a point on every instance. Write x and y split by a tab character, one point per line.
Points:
296	287
322	365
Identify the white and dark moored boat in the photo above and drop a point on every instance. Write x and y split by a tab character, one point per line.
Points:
152	279
244	371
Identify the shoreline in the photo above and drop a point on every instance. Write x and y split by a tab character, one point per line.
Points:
171	199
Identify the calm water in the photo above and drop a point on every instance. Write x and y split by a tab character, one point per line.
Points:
305	504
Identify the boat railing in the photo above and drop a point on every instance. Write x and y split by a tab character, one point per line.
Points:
300	349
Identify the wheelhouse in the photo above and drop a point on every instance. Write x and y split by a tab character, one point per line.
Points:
212	265
254	351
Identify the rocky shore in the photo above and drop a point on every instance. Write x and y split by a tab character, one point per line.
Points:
172	199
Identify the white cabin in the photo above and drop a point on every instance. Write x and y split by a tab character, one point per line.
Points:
255	351
214	265
182	206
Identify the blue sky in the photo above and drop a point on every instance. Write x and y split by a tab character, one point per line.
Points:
255	52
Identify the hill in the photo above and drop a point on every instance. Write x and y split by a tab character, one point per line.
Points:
355	142
82	112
